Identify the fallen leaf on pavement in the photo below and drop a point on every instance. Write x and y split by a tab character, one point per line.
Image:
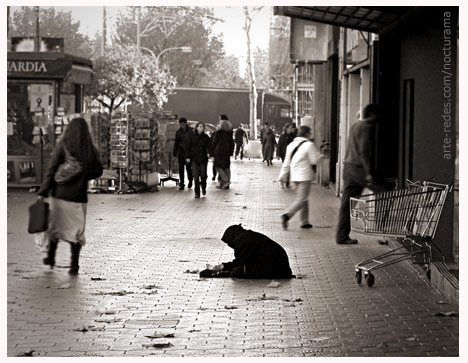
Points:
107	312
441	302
89	328
66	286
114	320
160	335
118	293
382	345
97	279
232	307
158	345
194	331
274	283
412	339
149	287
192	271
448	313
27	354
319	339
154	292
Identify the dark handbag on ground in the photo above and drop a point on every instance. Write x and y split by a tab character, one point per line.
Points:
38	217
68	170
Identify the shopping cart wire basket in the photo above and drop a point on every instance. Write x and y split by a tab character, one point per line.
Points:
411	214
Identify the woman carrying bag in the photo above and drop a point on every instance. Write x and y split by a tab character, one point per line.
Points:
301	156
75	161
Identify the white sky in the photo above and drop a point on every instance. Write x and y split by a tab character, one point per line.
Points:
90	18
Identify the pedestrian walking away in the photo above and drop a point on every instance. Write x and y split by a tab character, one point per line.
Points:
256	257
284	140
269	147
263	132
182	138
223	148
198	155
241	140
358	168
301	156
215	173
69	190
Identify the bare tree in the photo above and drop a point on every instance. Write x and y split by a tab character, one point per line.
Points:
250	13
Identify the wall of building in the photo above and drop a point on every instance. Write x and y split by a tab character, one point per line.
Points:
434	106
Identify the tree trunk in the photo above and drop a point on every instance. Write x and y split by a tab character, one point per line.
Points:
252	87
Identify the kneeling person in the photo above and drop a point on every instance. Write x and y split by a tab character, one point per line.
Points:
256	257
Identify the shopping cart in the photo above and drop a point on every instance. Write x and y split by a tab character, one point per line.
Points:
411	214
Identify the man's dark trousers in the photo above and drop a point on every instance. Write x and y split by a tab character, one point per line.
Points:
354	182
184	165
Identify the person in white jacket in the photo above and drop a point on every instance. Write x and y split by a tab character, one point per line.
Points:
301	156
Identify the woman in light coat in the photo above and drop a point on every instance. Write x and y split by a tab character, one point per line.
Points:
306	155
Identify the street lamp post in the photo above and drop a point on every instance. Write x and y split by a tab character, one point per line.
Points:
187	49
183	49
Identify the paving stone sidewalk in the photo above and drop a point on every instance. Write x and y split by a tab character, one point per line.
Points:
138	293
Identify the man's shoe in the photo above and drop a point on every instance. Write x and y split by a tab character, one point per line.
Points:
284	221
197	195
307	225
189	184
203	191
348	242
181	187
213	178
219	187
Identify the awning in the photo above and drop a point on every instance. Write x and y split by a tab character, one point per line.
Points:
80	74
271	98
365	18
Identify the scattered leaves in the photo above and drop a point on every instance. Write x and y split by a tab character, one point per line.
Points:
412	339
97	279
66	286
192	271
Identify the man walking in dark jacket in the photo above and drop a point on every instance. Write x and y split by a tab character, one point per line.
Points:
358	169
240	139
181	145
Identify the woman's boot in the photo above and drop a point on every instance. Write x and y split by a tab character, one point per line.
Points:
75	258
50	259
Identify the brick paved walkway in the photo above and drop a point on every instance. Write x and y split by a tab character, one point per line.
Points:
137	295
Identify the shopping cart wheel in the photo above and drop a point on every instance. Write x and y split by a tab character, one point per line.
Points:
370	279
358	276
428	273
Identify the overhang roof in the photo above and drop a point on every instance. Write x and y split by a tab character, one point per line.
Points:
365	18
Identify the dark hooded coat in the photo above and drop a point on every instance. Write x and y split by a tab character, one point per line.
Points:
256	255
222	145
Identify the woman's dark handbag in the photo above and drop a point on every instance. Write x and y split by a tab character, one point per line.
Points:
38	217
68	170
